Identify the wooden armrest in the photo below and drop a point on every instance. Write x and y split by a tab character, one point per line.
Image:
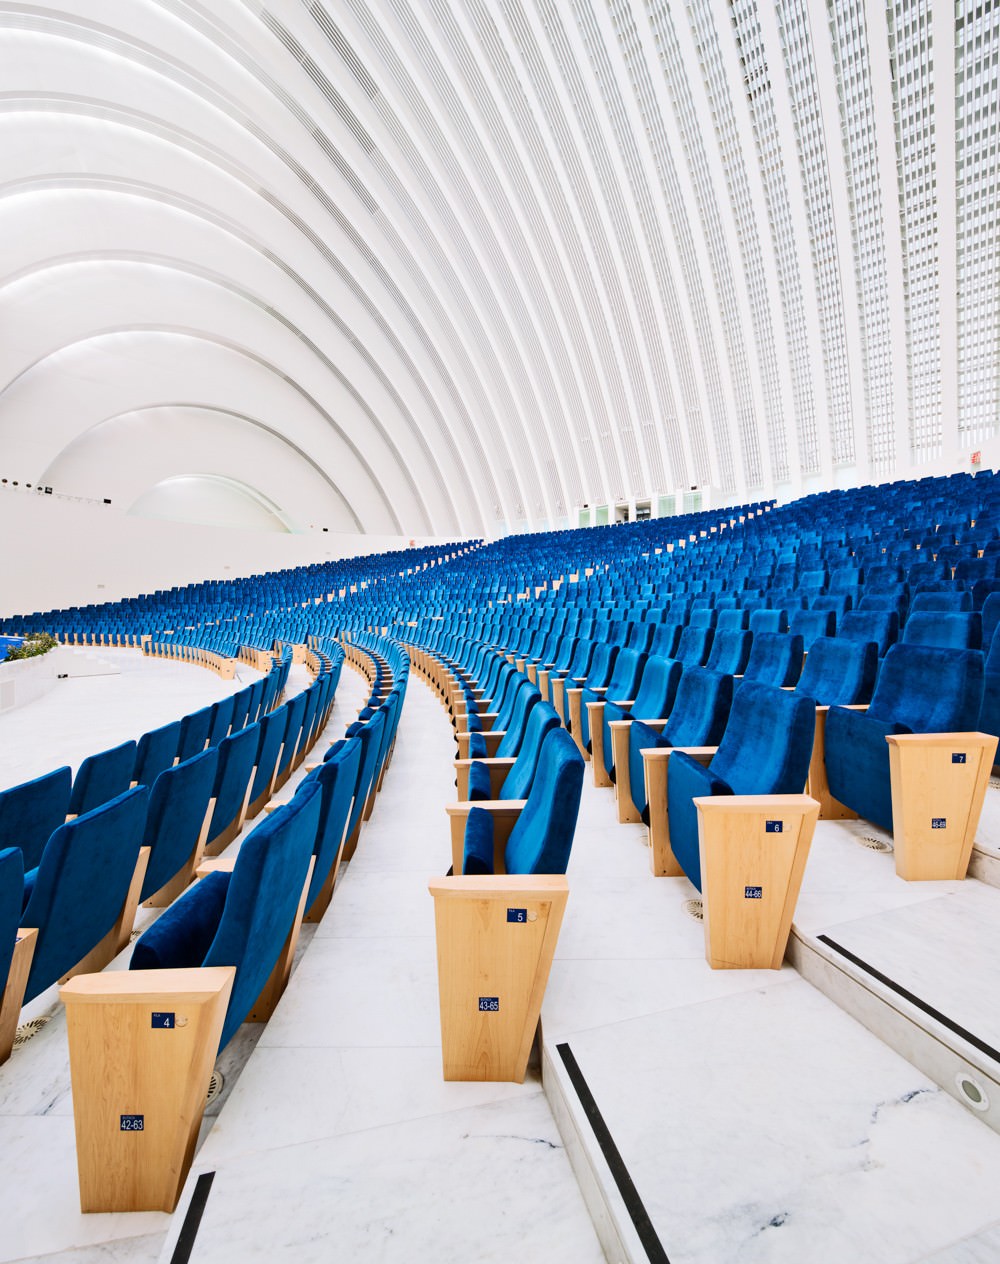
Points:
497	768
505	813
216	864
658	724
703	754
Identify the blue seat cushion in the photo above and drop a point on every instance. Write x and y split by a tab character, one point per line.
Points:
686	781
29	886
479	781
477	746
478	855
181	937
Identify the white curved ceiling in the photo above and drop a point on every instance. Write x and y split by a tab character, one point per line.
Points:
442	266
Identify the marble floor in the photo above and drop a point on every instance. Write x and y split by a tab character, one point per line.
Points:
757	1121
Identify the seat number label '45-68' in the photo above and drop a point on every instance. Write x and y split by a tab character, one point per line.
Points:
489	1004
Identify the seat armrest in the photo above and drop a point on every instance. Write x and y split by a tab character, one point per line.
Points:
505	813
497	766
216	864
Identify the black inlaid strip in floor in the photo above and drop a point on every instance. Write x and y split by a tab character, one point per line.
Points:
633	1203
192	1220
898	988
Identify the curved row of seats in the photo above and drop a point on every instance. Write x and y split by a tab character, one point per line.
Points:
135	823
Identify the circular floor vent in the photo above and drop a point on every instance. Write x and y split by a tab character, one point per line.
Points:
215	1087
874	844
31	1028
972	1091
695	909
995	783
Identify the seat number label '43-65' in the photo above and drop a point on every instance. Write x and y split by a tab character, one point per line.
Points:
489	1004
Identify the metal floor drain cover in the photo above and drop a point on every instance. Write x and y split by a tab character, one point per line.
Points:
695	909
995	783
215	1086
875	844
31	1028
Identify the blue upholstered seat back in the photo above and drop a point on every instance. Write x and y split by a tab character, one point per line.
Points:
155	752
370	735
232	777
730	652
528	697
929	690
775	658
540	842
262	900
241	705
948	602
337	777
102	777
694	646
178	802
602	665
271	734
698	718
734	619
880	626
812	624
945	629
768	621
194	733
657	689
81	883
665	639
766	749
11	898
640	637
624	681
838	671
30	812
221	720
293	730
517	783
920	689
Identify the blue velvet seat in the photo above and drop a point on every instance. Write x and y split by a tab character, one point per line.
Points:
991	619
920	689
221	720
654	700
766	749
337	778
242	918
839	672
880	626
812	624
78	890
622	686
178	804
31	811
233	776
155	752
102	777
698	718
542	837
963	631
730	652
369	732
194	733
767	620
665	639
11	903
295	710
518	779
528	696
694	646
775	658
733	619
989	719
953	602
271	735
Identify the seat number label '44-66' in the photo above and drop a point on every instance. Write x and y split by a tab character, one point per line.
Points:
489	1004
133	1123
753	893
939	822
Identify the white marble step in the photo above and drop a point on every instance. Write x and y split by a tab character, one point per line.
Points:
756	1120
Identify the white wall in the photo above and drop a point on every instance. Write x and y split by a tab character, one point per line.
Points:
56	552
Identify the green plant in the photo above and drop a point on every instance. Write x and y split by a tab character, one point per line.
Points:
34	643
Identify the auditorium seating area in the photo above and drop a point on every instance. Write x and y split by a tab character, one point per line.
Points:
628	729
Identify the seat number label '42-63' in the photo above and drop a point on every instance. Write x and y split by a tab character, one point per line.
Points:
489	1004
132	1123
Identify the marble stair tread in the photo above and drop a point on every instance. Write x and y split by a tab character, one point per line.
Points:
769	1126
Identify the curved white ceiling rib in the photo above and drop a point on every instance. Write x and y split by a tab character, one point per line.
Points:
468	264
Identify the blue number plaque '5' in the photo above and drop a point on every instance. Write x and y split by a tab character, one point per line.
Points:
517	915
